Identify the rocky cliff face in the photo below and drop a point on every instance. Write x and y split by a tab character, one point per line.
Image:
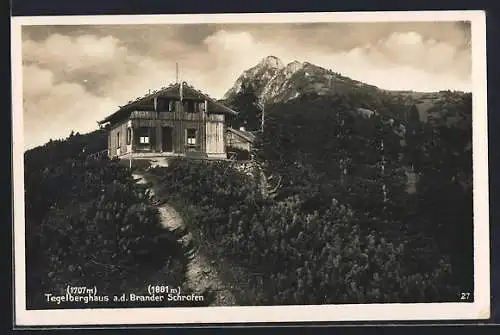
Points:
273	81
258	76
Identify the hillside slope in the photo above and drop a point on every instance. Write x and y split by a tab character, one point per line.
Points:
274	82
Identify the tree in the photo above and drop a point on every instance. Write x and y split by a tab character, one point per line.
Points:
442	157
246	103
100	228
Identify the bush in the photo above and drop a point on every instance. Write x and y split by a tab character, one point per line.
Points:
295	254
89	224
240	154
342	228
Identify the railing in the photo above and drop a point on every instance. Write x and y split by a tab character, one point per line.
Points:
152	115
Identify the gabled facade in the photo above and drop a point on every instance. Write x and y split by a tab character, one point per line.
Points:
177	120
239	138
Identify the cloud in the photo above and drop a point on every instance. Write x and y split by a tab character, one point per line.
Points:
52	110
430	55
400	61
36	81
76	76
73	54
72	82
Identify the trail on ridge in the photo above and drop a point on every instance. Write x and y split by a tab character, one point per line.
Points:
201	273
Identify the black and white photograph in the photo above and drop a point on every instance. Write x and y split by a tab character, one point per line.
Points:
222	168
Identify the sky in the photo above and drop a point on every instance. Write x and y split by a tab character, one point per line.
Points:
74	76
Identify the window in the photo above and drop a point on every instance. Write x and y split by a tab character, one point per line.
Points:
190	107
164	104
118	139
129	135
191	137
142	136
201	106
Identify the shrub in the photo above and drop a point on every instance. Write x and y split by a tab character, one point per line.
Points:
295	254
89	224
240	154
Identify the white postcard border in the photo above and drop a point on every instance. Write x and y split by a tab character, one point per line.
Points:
479	309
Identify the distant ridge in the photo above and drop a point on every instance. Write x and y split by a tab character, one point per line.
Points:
275	81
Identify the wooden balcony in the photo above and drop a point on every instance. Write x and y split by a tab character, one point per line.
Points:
152	115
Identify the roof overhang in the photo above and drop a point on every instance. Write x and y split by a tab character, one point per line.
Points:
223	107
244	135
168	91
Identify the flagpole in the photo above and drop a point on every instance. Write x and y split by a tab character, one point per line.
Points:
262	117
177	72
181	109
131	146
180	91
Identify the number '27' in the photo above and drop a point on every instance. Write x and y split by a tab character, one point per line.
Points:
464	296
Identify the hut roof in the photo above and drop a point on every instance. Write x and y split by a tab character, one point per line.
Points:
172	91
246	135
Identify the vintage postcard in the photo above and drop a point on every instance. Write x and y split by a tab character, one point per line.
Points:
250	168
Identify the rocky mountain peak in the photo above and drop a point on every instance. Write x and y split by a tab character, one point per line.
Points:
271	62
273	81
294	66
257	76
